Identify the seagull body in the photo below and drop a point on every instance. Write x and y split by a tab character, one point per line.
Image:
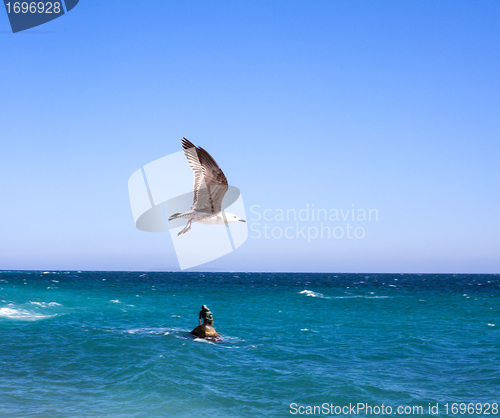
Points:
202	217
210	186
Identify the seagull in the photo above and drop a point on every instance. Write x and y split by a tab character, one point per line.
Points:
210	186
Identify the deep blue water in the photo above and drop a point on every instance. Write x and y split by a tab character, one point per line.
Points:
110	344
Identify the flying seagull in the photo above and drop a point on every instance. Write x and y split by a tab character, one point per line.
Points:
210	186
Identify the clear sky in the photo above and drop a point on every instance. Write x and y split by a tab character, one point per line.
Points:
386	105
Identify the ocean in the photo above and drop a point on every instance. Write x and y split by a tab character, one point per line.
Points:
117	344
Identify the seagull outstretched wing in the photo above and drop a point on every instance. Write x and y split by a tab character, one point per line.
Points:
210	183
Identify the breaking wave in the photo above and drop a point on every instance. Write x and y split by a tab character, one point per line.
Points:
314	294
21	314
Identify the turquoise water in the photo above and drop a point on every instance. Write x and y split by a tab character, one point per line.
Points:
104	344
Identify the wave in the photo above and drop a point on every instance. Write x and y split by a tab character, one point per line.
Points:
203	340
320	295
45	304
22	314
157	331
314	294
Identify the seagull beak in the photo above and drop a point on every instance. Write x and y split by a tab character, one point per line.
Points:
242	220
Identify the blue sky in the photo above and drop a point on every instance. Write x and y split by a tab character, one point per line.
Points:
382	105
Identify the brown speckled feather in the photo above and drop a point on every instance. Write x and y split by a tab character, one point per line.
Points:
210	183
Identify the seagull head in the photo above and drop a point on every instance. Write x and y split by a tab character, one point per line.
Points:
231	217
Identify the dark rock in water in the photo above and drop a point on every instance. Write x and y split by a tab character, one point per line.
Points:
206	331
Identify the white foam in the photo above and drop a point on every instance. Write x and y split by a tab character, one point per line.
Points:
45	304
157	331
321	296
132	331
22	314
203	340
491	325
313	294
115	301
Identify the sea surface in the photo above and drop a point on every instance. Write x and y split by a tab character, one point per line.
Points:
117	344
